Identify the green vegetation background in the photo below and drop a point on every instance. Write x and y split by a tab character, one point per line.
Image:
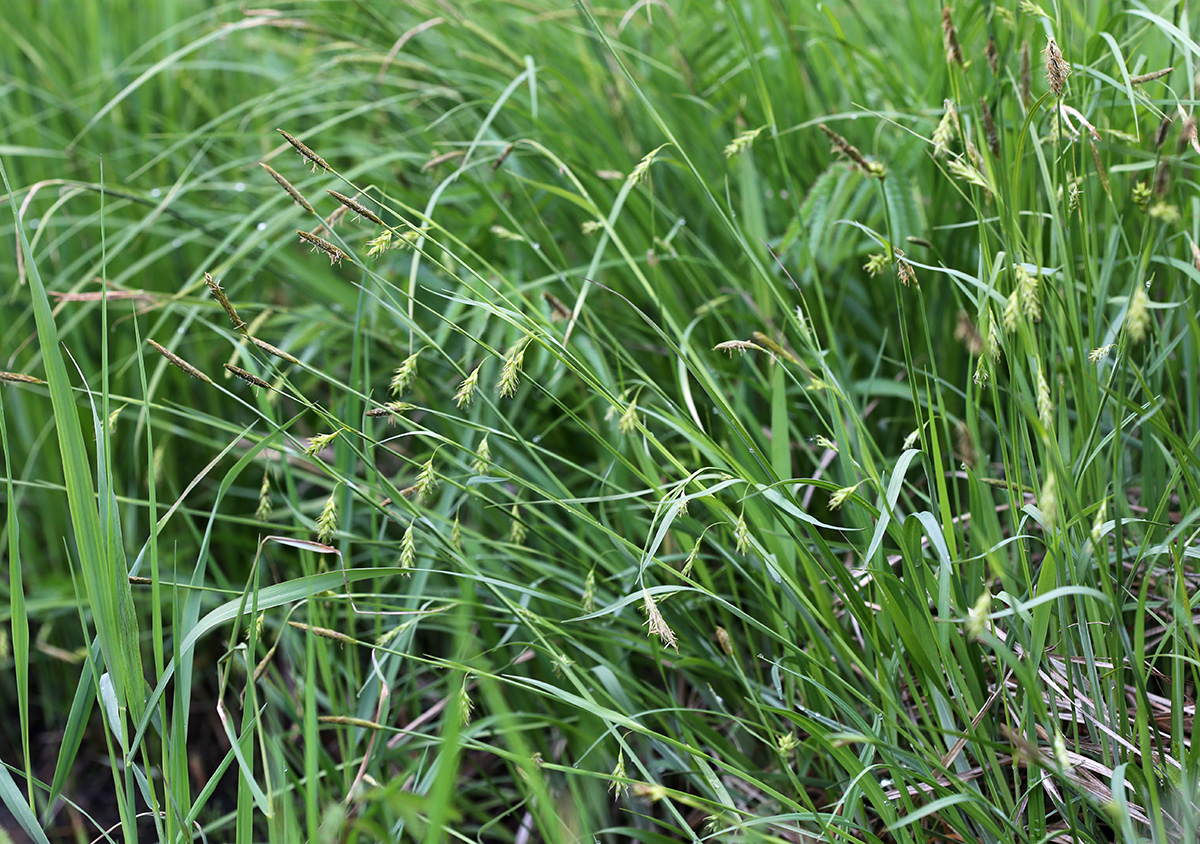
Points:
716	421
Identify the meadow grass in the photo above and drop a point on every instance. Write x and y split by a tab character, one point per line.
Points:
663	421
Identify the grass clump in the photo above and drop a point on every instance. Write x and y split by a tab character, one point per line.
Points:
475	533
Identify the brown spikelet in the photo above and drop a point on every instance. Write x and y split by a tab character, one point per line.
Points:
1150	77
19	378
180	362
442	159
558	310
954	51
248	377
1026	75
502	157
274	350
1162	179
965	444
1101	172
312	157
904	270
287	186
357	207
871	168
223	300
1187	135
1160	134
1057	69
989	127
335	255
966	333
993	55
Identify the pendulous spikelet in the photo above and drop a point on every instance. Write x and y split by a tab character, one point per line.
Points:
466	390
742	142
1137	320
296	196
180	362
405	374
309	155
944	133
510	372
655	621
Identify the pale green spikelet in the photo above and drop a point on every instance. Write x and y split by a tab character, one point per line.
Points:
376	246
327	521
466	390
427	480
510	373
627	423
517	531
690	562
616	786
1048	499
1100	353
404	374
456	535
943	134
741	535
465	706
1028	287
1010	317
483	457
876	263
408	548
824	442
839	496
639	172
977	615
1137	320
589	591
319	442
742	142
264	499
1045	407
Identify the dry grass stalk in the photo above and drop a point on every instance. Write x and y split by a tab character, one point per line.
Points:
357	207
296	196
180	362
312	157
442	159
